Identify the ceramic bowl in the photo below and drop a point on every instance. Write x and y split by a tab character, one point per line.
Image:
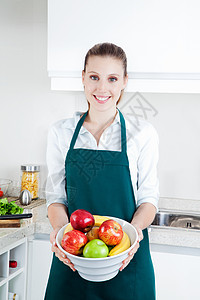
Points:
100	269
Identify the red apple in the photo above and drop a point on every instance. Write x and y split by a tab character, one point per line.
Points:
73	241
110	232
82	220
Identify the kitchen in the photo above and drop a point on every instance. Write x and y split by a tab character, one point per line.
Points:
32	99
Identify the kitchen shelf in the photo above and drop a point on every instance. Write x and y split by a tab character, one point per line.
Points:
3	268
15	285
15	272
15	254
13	280
4	292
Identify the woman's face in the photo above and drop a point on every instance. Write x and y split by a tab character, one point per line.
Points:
103	80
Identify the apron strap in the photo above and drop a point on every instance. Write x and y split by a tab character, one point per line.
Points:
123	132
77	129
80	123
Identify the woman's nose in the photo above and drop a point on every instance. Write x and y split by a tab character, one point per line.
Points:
102	85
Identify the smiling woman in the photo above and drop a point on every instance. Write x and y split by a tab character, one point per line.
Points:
103	89
104	78
102	59
95	175
106	83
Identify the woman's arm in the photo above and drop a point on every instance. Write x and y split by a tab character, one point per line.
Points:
147	185
57	214
142	218
55	189
144	215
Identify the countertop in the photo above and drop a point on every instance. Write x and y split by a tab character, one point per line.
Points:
39	224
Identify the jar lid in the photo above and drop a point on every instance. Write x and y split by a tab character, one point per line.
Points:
30	168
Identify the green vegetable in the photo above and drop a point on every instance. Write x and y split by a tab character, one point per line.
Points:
9	208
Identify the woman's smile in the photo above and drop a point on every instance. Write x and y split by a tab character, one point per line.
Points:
101	99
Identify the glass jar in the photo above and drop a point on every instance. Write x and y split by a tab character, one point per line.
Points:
30	179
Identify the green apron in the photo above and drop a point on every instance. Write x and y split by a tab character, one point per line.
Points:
99	181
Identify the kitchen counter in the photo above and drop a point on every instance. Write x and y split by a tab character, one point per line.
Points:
39	224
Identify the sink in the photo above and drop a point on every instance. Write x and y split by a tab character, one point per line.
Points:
182	220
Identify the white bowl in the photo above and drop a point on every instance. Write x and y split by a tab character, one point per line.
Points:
100	269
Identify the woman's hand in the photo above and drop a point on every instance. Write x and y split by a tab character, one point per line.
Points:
134	250
61	256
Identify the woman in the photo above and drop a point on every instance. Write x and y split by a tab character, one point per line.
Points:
118	178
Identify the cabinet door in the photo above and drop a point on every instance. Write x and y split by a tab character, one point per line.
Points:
159	38
39	263
177	275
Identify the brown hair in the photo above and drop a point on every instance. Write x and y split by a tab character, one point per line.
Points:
108	49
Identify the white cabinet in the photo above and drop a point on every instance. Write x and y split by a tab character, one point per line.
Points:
177	272
160	39
13	280
39	263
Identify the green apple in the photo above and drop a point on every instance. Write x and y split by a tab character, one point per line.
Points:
95	249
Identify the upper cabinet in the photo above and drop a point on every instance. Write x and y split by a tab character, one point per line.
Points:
160	38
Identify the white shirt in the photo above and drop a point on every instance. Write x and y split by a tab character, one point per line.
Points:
142	151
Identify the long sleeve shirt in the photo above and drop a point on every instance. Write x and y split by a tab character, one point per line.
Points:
142	152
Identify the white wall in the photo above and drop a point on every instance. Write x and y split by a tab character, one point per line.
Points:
27	104
28	107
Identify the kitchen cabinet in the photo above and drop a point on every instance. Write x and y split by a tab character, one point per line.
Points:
13	280
39	262
159	38
176	271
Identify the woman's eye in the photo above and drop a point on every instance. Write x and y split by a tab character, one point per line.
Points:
93	77
112	79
